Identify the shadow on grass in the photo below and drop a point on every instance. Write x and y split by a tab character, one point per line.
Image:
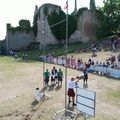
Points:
51	87
58	88
44	89
70	107
34	103
85	85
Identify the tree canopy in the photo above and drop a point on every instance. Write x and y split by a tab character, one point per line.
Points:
24	23
109	17
59	30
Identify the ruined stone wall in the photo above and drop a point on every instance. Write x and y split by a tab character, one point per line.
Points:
19	40
86	27
44	35
2	43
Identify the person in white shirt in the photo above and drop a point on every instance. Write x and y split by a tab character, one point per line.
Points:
71	86
38	95
53	77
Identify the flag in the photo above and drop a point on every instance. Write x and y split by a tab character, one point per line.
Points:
66	6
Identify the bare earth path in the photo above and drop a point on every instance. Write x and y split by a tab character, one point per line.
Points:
19	79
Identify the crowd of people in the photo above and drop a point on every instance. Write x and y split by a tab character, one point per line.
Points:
56	77
112	62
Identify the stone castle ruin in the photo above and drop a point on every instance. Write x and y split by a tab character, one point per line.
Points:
85	30
44	34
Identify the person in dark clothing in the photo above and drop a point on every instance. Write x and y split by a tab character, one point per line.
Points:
60	76
52	77
46	77
85	72
54	71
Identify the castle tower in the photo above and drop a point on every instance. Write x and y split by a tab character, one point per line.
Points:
75	6
36	10
75	9
92	5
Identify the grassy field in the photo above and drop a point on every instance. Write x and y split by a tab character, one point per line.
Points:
18	80
57	50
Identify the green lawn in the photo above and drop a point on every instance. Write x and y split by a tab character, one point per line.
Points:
20	78
57	50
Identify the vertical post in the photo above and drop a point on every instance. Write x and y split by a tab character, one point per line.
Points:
75	9
43	32
43	64
85	118
7	41
82	27
7	44
66	50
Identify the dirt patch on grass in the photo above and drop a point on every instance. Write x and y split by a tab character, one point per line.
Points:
17	88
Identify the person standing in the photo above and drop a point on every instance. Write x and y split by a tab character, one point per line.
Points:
85	72
71	92
52	77
118	57
54	71
46	77
60	77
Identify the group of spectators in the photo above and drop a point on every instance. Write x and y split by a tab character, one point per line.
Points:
14	54
110	43
112	62
56	77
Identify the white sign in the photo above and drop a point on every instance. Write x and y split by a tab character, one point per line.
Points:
86	101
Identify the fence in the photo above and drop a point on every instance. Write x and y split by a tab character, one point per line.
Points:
115	73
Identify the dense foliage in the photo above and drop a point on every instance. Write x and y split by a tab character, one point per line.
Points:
109	17
19	28
59	30
45	10
24	25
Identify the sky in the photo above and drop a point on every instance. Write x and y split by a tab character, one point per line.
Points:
11	11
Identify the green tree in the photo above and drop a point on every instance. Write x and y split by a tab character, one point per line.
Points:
24	23
45	10
109	17
59	31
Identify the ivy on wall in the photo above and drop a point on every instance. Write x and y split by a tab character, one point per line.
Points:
59	31
24	25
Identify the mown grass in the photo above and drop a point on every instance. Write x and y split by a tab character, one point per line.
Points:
114	95
24	76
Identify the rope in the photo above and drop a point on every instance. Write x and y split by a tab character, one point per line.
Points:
58	23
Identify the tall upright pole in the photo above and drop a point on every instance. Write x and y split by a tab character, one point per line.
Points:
6	39
43	64
75	9
43	32
66	51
